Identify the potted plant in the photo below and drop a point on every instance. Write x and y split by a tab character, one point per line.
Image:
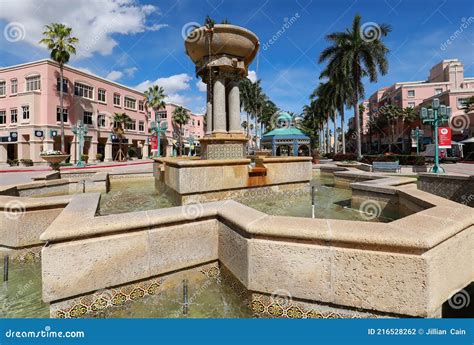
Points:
54	158
99	157
85	158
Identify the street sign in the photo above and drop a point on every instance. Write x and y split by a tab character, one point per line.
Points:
444	135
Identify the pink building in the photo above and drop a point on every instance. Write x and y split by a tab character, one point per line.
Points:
30	116
445	81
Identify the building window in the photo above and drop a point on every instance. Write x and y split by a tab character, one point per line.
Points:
130	103
101	120
3	88
140	105
3	117
116	99
82	90
14	115
438	91
411	104
14	83
58	114
160	115
33	83
58	81
26	112
88	117
461	102
411	93
131	126
101	95
199	122
141	126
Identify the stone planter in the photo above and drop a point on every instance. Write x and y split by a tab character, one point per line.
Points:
54	160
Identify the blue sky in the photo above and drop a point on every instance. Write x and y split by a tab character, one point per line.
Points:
140	42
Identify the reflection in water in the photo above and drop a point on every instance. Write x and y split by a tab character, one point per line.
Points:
20	296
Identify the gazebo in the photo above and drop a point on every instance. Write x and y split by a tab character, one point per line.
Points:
286	139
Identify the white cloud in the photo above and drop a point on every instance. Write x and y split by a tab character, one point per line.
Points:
201	86
93	22
130	72
252	76
114	75
172	84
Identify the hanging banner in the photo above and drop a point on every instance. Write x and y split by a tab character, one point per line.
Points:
154	142
444	137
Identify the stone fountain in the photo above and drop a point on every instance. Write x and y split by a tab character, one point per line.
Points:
222	54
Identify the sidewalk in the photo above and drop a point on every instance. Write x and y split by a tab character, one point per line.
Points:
15	175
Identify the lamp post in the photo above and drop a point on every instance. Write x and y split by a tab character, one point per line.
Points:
416	134
191	144
435	116
80	130
159	127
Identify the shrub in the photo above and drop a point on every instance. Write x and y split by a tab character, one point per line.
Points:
329	155
85	158
345	157
132	151
26	162
12	162
402	159
99	156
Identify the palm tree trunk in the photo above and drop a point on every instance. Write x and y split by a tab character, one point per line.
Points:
342	130
61	111
248	125
180	151
328	136
335	131
356	76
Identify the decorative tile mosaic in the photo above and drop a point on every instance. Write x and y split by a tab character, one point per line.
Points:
223	151
26	255
94	304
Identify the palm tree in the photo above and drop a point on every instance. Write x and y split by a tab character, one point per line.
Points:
119	122
252	100
58	39
362	55
327	105
155	98
180	117
392	114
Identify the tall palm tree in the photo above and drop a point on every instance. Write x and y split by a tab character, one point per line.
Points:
180	117
155	98
252	100
58	39
327	105
365	55
119	122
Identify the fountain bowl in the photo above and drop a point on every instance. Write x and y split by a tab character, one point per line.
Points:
225	39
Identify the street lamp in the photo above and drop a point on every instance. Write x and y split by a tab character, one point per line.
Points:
159	127
435	116
416	134
80	130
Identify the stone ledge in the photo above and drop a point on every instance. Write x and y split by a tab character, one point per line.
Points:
195	163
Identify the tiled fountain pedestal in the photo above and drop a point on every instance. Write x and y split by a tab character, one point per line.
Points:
194	180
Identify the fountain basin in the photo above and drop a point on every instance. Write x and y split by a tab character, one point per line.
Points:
225	39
